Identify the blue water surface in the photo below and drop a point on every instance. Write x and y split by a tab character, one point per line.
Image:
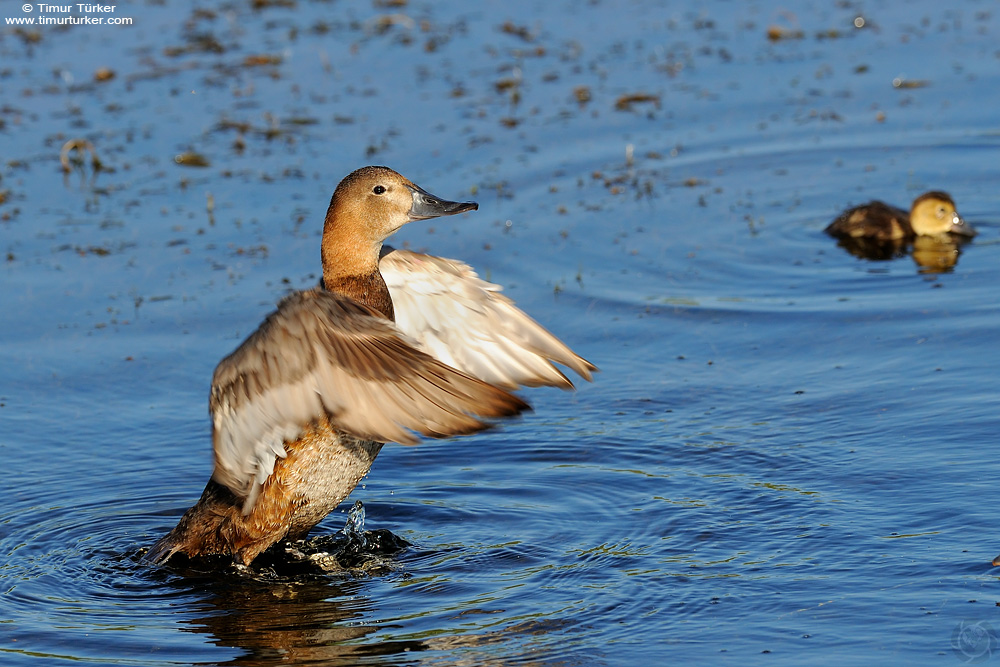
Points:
788	455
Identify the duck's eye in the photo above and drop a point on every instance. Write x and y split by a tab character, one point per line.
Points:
941	212
379	189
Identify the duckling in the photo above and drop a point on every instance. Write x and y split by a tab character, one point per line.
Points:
932	214
391	344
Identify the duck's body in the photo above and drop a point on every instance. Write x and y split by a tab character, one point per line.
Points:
319	470
301	408
932	213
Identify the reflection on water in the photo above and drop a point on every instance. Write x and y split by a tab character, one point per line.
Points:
931	254
936	255
301	621
322	622
275	612
315	621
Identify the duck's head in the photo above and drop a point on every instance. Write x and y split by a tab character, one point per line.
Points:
933	214
373	202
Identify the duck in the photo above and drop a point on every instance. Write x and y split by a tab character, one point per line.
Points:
392	345
931	214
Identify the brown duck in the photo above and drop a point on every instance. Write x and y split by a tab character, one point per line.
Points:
932	214
392	344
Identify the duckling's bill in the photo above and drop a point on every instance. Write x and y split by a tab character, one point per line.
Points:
960	226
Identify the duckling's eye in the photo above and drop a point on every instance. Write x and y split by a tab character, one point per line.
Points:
941	212
378	189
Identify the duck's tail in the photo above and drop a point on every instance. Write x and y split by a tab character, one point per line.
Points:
202	531
217	526
164	548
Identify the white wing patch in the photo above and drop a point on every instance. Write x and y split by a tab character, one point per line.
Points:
468	324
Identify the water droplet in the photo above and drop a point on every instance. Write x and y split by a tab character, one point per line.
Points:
355	526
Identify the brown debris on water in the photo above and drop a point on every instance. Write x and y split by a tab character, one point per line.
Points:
196	43
521	31
777	33
903	83
504	85
191	159
261	60
28	36
628	102
78	147
104	74
264	4
98	251
250	251
830	33
380	25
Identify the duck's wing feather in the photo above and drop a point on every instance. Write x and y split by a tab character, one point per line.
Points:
468	324
321	355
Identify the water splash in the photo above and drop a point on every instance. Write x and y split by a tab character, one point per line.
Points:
354	529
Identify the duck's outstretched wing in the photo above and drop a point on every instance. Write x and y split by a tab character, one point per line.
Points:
323	355
468	324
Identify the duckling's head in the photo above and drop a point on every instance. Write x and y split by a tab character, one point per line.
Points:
373	202
933	214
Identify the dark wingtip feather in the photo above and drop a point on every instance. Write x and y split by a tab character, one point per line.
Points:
505	404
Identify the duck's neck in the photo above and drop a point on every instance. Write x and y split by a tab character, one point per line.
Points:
368	289
350	268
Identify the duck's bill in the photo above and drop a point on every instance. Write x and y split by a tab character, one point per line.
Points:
961	227
426	205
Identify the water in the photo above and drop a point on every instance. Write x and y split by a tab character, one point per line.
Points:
786	457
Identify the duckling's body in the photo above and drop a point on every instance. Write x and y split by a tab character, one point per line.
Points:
932	213
301	408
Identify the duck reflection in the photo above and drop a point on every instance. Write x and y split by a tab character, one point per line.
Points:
292	622
931	254
320	619
934	254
